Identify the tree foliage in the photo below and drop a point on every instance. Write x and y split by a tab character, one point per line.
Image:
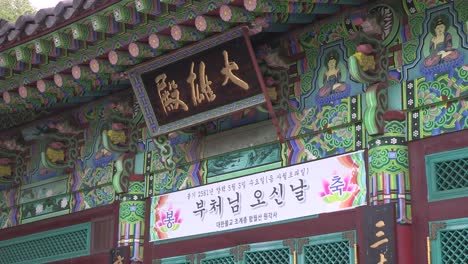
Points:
10	10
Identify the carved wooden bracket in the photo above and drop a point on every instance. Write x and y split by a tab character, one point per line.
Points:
435	227
12	161
12	167
119	133
123	169
376	106
370	62
61	152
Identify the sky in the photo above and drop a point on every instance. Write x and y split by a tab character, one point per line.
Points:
39	4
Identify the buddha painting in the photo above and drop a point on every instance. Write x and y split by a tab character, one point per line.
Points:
333	87
442	56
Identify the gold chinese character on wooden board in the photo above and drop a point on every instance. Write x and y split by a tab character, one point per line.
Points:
119	260
169	94
200	91
379	234
229	66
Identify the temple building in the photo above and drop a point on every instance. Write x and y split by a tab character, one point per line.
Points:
235	132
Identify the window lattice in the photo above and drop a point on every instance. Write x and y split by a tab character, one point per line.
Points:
276	256
51	247
221	260
454	246
452	174
330	253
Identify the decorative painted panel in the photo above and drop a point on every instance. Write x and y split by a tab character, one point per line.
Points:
329	143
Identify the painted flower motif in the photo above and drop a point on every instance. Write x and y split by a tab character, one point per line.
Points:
427	97
415	133
49	193
353	100
39	208
410	86
413	10
167	221
378	142
124	199
358	128
56	41
338	189
250	5
95	23
358	143
200	23
135	197
348	21
410	102
433	114
176	32
64	202
393	140
340	118
415	115
139	4
353	115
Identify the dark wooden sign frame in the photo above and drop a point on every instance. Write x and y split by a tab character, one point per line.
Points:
169	76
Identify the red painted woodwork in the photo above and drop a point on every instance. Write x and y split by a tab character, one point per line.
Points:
423	211
404	245
99	258
324	224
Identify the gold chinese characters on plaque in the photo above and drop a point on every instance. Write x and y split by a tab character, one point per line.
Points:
201	88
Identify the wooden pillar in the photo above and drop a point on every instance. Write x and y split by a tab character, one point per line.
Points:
132	218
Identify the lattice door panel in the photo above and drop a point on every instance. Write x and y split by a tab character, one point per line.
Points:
278	252
222	256
48	246
449	241
447	174
337	248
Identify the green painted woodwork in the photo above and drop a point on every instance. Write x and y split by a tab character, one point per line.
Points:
176	260
222	256
49	246
123	14
389	169
43	46
23	54
268	256
80	32
336	248
243	159
7	61
449	241
376	104
235	14
447	174
268	252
